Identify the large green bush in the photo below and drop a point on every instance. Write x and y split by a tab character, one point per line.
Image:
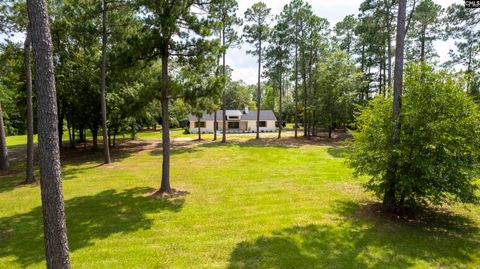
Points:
439	150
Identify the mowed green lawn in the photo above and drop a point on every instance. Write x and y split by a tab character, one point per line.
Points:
247	204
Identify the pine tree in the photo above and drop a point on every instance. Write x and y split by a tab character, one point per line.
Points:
389	198
224	11
55	232
256	32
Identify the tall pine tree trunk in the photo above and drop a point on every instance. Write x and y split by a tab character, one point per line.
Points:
389	42
3	146
224	98
304	83
296	85
215	120
280	122
165	186
390	199
61	115
259	93
55	231
106	149
30	175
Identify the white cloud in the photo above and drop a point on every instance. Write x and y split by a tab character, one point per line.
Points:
245	66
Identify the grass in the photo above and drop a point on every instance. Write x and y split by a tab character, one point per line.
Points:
249	204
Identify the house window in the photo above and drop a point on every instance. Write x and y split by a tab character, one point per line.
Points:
202	124
233	125
263	124
233	117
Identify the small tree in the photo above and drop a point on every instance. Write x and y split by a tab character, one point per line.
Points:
439	149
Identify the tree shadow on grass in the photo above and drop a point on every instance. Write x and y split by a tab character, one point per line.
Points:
85	159
339	151
365	240
88	218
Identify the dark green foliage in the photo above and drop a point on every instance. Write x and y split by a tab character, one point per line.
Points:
12	83
339	83
439	149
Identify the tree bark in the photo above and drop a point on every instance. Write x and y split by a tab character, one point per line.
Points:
304	82
30	173
259	93
296	82
389	199
106	149
215	120
165	185
60	124
4	165
224	99
199	130
280	122
389	42
55	231
215	125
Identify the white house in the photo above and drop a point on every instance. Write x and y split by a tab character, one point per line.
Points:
238	121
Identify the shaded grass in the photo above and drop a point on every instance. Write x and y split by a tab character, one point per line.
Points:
251	204
364	240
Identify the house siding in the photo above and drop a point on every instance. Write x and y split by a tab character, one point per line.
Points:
245	126
247	122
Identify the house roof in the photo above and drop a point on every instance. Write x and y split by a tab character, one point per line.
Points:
244	115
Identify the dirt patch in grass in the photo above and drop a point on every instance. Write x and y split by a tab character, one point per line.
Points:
175	193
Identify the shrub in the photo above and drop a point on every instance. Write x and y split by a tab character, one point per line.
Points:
439	148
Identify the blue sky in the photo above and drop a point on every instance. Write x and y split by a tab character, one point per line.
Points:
245	66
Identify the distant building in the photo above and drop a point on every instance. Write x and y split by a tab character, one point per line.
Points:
238	121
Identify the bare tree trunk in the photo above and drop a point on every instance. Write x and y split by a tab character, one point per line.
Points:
296	85
280	122
389	199
389	42
304	82
61	115
199	130
3	146
30	175
114	138
215	124
259	93
224	131
55	230
165	186
106	149
385	82
380	82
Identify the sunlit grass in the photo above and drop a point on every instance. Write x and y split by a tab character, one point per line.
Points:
250	204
